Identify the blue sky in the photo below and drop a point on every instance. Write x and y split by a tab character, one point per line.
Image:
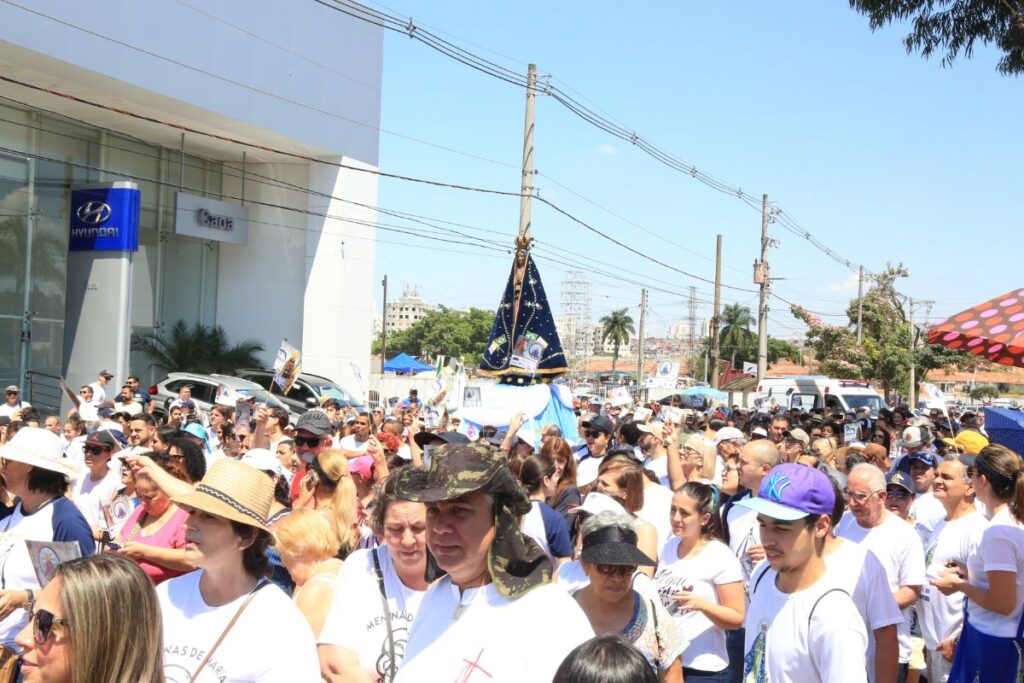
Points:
883	156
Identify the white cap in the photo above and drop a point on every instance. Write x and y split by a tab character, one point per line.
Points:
728	434
598	502
262	459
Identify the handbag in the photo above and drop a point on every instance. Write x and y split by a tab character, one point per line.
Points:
241	608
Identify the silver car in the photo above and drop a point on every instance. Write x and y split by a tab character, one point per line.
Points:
204	390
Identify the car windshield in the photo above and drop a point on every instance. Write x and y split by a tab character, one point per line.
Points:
261	396
334	391
872	402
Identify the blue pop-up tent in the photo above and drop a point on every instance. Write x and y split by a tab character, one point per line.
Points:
1005	427
404	364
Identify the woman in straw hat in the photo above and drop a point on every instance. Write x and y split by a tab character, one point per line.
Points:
224	621
39	474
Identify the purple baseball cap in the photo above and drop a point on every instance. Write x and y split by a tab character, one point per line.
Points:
791	492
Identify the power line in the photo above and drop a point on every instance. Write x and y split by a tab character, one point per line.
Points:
260	91
595	118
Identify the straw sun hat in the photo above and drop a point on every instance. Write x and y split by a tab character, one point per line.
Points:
235	491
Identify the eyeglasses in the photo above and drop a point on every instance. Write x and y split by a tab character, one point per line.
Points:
897	493
860	497
307	441
43	622
95	450
616	569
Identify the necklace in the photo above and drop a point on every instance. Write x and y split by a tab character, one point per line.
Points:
465	600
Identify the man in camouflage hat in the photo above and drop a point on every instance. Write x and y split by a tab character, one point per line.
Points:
495	616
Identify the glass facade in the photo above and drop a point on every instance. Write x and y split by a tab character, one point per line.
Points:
41	157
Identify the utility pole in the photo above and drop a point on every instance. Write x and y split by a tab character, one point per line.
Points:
761	277
640	341
716	352
912	391
384	327
527	186
860	304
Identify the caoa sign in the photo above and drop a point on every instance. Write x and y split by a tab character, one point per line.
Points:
210	219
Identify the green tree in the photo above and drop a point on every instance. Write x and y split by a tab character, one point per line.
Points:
444	332
953	27
616	327
736	337
200	349
779	349
884	355
984	391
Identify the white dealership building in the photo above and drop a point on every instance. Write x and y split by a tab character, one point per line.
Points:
255	123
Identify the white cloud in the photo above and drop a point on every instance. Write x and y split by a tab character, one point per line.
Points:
607	150
847	285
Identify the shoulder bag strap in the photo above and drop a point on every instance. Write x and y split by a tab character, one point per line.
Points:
252	594
657	631
390	675
820	598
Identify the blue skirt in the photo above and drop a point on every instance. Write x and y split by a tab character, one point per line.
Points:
981	658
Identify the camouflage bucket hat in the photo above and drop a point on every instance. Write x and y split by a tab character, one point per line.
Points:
516	563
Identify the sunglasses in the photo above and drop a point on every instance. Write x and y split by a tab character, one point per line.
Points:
43	622
592	433
95	450
616	569
307	441
897	493
861	497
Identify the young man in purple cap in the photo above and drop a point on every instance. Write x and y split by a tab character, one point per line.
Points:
800	627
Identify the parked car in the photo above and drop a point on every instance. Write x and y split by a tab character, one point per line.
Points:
204	390
305	393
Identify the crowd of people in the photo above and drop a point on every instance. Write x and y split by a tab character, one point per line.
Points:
656	543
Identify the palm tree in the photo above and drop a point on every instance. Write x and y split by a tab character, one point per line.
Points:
736	334
200	349
616	326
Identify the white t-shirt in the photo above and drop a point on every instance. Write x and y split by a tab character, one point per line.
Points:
6	410
660	468
75	451
657	510
270	642
744	532
713	566
356	619
788	643
99	395
57	520
926	512
133	408
898	547
349	443
494	639
859	573
1002	550
90	496
941	616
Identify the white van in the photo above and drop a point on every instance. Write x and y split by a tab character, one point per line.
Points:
811	392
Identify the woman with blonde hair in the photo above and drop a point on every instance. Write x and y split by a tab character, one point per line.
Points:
308	546
334	496
696	462
79	634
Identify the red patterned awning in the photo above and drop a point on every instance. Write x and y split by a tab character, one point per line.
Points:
993	329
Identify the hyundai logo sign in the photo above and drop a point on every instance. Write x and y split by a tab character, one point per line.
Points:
93	213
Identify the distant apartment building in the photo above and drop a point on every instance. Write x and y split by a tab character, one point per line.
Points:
406	311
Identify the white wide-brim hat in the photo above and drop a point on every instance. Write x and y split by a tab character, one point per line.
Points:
40	448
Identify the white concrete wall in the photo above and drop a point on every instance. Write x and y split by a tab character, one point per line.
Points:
261	286
340	284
